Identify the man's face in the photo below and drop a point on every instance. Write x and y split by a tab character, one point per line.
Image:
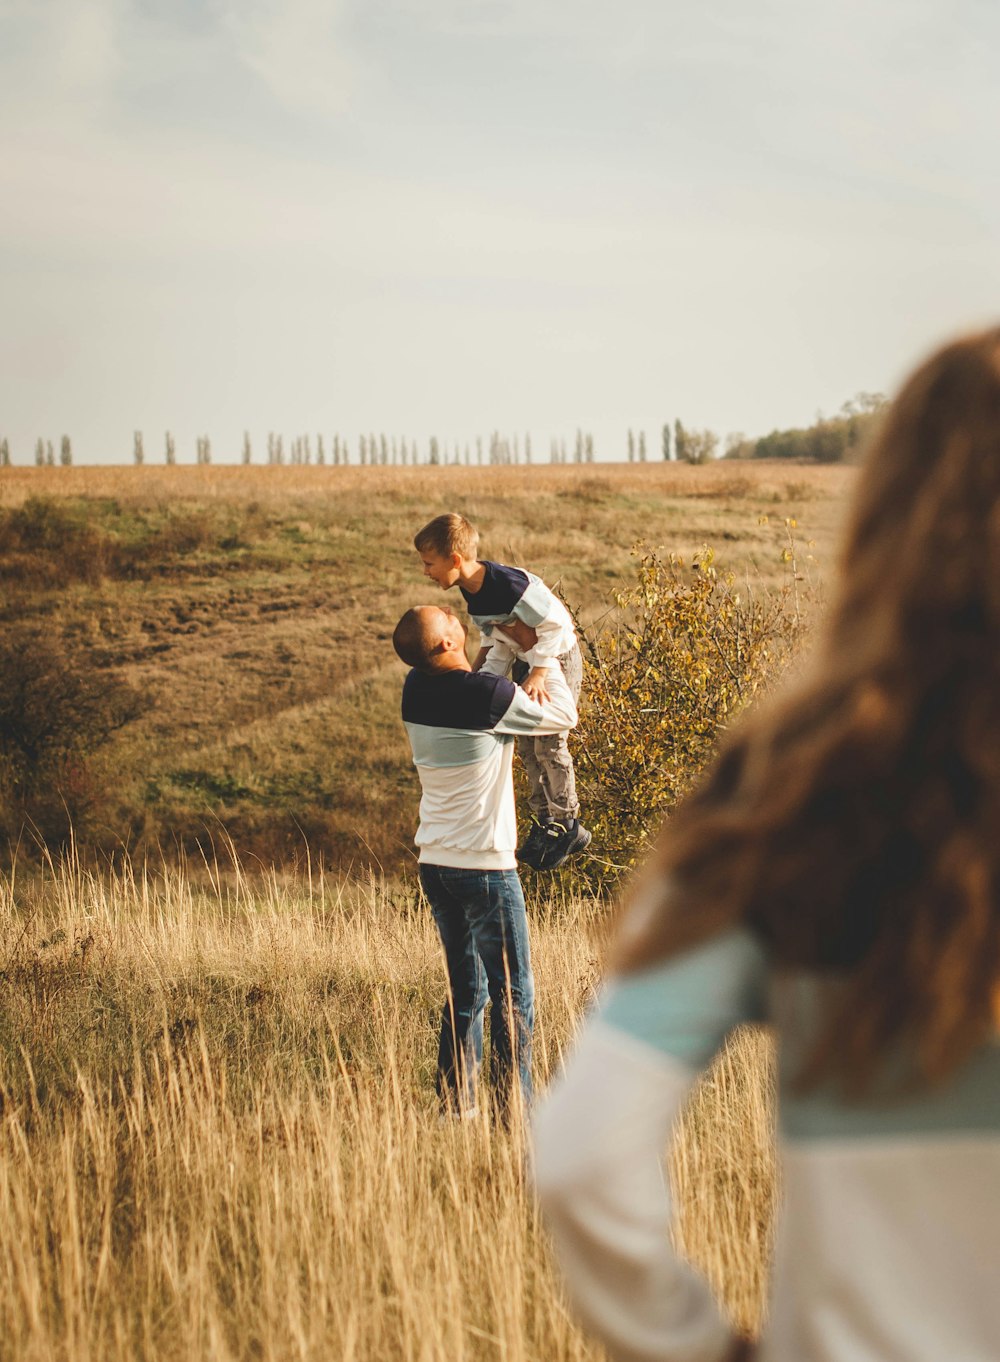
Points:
452	627
440	569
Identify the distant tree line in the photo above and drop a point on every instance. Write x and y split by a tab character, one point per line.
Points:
828	440
677	443
832	439
370	449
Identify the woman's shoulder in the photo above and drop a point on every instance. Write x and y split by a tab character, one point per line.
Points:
686	1005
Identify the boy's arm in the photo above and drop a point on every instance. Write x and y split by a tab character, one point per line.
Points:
480	658
518	639
535	684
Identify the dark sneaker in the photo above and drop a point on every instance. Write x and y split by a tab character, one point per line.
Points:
534	844
562	840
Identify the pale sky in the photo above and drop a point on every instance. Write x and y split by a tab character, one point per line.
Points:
449	216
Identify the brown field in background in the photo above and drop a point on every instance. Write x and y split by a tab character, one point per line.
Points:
241	482
256	611
219	1138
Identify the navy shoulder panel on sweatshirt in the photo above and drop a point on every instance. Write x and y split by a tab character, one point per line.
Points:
457	699
501	590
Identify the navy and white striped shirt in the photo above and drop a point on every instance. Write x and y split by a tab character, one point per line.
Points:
508	594
461	725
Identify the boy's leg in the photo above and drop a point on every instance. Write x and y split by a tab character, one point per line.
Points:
494	907
552	755
552	797
557	778
526	751
460	1046
565	835
537	799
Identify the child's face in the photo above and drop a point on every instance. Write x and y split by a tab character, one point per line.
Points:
443	570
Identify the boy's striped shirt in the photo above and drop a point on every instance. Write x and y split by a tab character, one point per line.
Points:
508	594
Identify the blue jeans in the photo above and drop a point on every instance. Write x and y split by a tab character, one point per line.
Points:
483	926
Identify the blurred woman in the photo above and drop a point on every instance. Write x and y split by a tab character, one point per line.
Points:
837	875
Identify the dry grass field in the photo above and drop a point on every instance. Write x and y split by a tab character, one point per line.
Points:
218	1131
218	1135
252	609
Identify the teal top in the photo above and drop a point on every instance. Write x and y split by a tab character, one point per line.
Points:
686	1007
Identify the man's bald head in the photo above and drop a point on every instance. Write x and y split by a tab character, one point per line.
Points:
424	634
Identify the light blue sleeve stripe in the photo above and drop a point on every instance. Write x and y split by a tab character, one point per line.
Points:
969	1103
900	1103
536	603
522	716
687	1006
451	746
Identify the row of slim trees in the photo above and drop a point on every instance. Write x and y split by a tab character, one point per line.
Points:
676	442
45	453
828	440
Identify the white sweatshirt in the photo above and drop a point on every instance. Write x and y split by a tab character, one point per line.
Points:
889	1241
461	727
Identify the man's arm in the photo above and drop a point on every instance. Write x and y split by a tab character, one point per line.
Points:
496	659
526	716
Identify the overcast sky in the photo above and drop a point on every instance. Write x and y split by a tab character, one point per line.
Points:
448	216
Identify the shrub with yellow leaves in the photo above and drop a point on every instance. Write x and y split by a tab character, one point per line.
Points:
679	654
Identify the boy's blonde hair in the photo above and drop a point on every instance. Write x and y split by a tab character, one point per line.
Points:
448	534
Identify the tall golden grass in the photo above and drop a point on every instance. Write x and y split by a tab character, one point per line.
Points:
219	1137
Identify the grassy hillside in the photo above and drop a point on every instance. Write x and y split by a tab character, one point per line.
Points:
252	609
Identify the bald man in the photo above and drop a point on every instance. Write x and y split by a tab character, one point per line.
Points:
461	725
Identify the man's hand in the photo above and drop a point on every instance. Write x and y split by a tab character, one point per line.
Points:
534	685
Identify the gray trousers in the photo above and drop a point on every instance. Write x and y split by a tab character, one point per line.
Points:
551	778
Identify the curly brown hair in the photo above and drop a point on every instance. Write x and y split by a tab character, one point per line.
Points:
853	824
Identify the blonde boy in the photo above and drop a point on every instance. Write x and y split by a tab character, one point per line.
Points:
525	629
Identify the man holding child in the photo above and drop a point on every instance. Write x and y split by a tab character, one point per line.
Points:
461	724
